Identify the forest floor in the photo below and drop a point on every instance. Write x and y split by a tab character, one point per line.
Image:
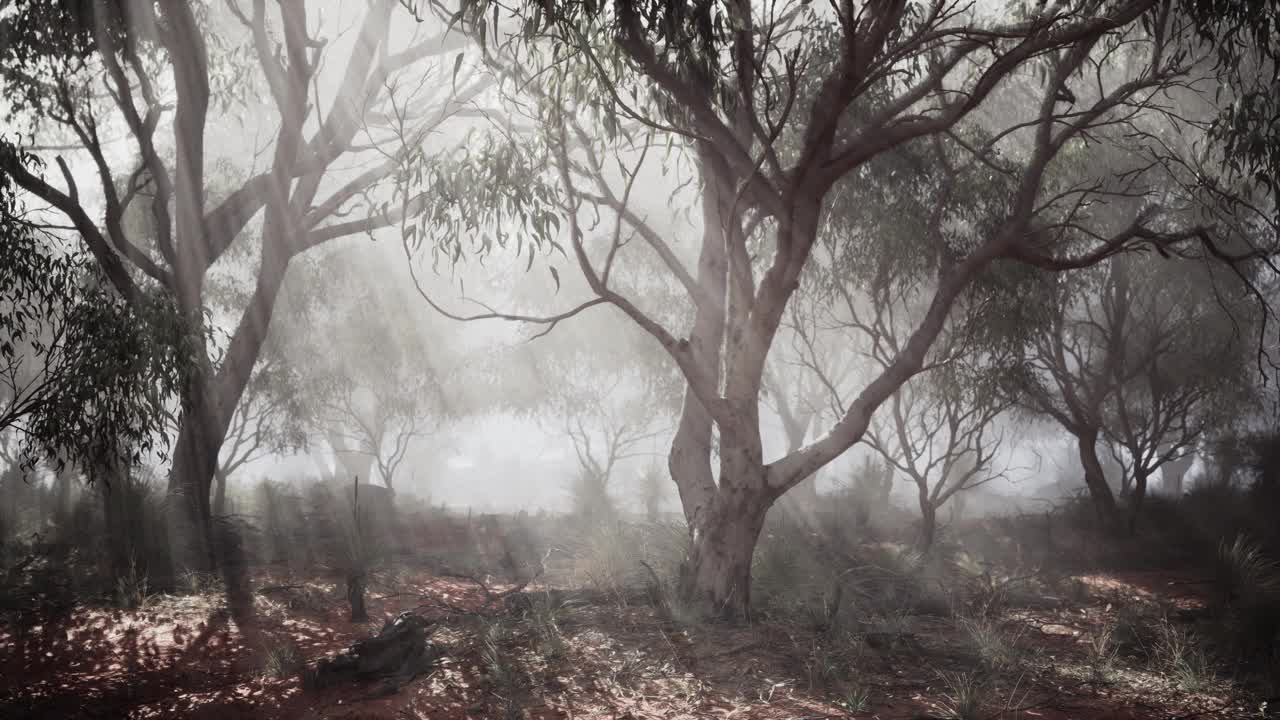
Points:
1039	657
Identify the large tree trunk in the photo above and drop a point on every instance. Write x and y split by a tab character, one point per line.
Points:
1104	501
715	580
209	402
195	459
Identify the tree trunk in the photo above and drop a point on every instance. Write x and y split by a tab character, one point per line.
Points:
1174	472
234	564
1104	501
715	580
118	550
63	480
355	597
928	525
219	493
190	516
1135	499
355	575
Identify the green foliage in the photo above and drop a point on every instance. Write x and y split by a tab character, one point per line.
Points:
45	39
856	698
1244	36
495	189
84	373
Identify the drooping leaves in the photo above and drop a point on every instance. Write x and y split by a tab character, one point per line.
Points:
84	375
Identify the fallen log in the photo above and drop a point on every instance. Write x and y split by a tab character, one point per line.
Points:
399	652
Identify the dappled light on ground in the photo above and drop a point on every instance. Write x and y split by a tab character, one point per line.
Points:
579	657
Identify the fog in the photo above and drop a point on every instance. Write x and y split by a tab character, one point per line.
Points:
529	360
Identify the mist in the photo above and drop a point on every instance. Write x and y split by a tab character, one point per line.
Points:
429	359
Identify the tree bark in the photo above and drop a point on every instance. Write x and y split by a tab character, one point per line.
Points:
209	401
195	459
928	525
715	580
219	492
1136	498
1104	501
118	549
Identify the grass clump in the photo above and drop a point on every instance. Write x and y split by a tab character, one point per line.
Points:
1102	653
963	696
500	670
544	618
995	649
856	698
1177	653
282	661
132	588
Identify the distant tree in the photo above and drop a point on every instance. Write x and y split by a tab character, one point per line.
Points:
652	492
1144	357
266	422
371	381
869	488
1184	370
798	395
609	418
942	436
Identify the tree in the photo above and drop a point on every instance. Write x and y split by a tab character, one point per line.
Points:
371	381
84	378
1183	370
1144	356
799	396
168	68
941	433
609	417
771	109
266	421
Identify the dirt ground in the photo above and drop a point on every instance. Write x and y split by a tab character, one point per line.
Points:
180	656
